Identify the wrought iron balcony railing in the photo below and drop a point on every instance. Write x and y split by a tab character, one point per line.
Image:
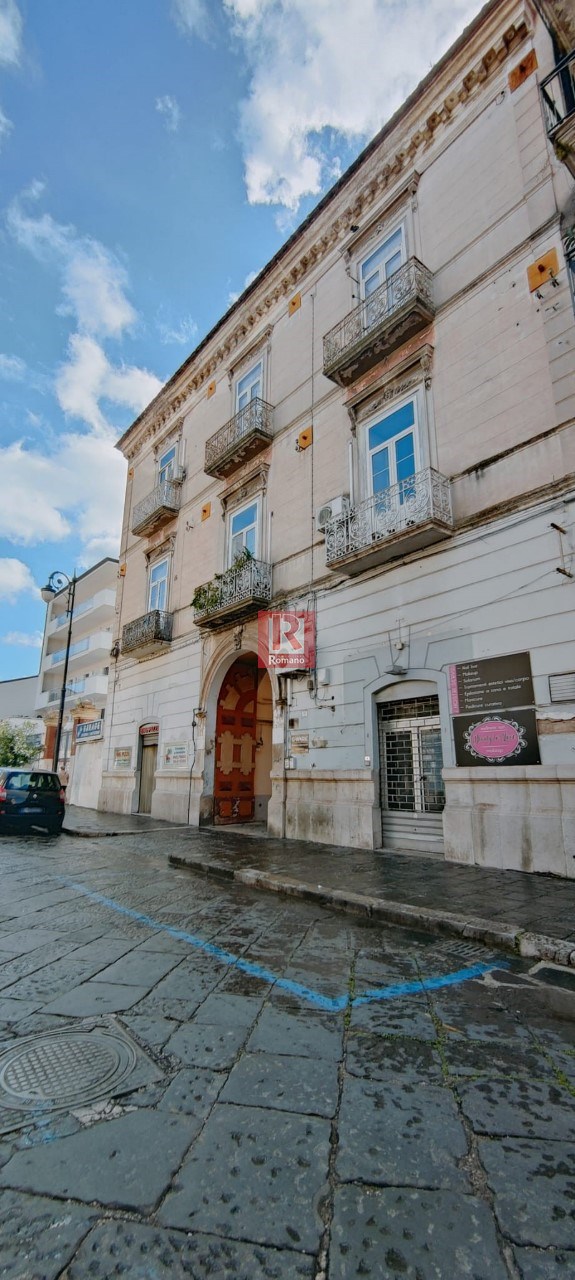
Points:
393	313
407	516
558	96
159	505
241	438
558	92
233	594
151	632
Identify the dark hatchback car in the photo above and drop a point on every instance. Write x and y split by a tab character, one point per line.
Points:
31	798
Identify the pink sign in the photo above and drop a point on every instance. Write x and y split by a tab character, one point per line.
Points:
495	739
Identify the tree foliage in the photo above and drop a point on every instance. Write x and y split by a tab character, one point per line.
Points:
18	743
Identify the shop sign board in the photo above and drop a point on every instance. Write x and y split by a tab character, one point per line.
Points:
491	684
122	757
176	755
88	730
507	738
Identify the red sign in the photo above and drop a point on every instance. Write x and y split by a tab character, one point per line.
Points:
149	728
286	639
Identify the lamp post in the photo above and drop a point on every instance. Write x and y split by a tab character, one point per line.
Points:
56	583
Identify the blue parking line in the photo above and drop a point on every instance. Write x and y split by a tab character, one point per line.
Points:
331	1004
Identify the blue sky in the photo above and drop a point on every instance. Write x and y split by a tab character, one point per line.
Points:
154	154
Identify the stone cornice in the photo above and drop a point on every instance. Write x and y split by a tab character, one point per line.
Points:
379	179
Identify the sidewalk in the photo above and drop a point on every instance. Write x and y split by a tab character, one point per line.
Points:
531	915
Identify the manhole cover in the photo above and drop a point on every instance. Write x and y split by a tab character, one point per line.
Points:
64	1068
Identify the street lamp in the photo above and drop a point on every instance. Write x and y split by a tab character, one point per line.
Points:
56	583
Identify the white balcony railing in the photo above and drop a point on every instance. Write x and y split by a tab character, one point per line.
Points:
393	514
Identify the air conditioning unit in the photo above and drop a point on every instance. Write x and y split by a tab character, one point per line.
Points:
178	475
331	510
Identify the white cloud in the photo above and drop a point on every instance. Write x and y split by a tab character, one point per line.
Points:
5	125
12	368
15	580
23	639
88	377
233	295
182	335
169	109
10	33
191	16
93	280
324	68
80	484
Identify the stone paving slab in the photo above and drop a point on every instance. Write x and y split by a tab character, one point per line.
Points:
424	1235
37	1237
106	1162
255	1175
519	1108
138	1252
533	1264
532	1181
283	1083
398	1135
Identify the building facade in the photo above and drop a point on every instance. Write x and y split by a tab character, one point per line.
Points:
18	707
91	638
379	435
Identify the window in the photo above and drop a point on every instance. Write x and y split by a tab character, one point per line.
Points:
167	464
392	451
244	531
376	270
158	585
249	387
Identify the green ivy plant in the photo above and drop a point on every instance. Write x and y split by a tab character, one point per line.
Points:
207	597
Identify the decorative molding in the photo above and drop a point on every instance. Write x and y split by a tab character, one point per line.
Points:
391	384
174	432
244	488
256	308
376	224
166	547
250	352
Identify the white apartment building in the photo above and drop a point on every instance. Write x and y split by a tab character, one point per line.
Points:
379	434
91	639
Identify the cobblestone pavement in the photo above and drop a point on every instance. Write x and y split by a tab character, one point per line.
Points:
200	1081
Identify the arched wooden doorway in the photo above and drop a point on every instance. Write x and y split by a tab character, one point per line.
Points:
243	728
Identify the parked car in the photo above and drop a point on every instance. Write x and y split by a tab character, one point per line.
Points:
31	798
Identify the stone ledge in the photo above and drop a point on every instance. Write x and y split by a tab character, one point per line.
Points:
509	937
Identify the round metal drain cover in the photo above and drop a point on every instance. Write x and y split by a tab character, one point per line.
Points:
64	1068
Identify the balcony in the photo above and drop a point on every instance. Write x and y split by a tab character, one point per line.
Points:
406	517
93	688
235	594
91	650
245	435
392	314
558	95
148	634
160	505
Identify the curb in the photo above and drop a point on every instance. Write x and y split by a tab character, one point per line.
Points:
85	834
510	937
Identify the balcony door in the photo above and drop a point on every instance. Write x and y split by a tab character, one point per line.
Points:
392	450
377	270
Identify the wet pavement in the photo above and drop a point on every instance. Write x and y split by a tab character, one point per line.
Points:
533	915
199	1080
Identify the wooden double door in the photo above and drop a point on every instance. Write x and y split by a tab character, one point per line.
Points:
236	740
